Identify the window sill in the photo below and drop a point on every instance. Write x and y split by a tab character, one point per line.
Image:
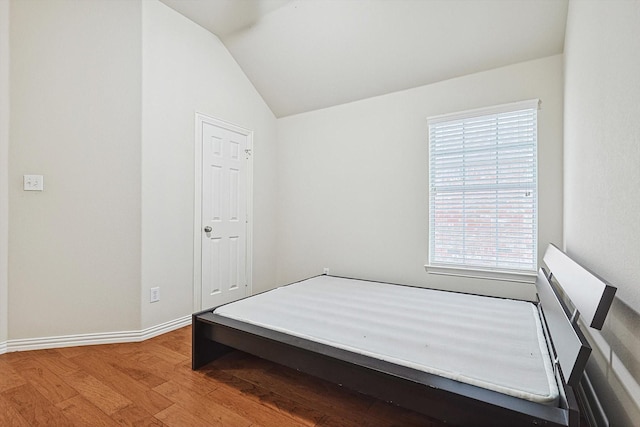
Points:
507	276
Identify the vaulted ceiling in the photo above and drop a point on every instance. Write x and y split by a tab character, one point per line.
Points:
303	55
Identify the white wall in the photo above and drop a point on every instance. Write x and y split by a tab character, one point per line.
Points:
4	169
353	179
103	102
602	183
186	70
74	249
108	118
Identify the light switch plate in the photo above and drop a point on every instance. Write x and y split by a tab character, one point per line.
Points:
33	183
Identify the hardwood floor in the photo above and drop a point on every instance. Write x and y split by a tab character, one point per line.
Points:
151	384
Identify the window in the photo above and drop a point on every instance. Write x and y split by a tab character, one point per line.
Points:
483	189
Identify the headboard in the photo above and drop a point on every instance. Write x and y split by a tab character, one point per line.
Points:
590	294
591	297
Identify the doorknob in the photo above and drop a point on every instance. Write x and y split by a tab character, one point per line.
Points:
208	229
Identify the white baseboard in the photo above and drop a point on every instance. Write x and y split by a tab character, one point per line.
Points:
165	327
93	339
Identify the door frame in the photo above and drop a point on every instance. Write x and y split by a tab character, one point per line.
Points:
200	119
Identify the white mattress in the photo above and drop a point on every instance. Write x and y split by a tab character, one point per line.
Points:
493	343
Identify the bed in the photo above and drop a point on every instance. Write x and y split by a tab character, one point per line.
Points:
460	358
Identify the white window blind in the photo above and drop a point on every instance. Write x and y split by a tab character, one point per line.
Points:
483	189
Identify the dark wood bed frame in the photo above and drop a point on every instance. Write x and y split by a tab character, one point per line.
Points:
441	398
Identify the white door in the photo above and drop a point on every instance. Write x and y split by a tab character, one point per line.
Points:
224	214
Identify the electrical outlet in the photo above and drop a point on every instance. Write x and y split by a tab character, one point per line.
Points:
325	271
155	294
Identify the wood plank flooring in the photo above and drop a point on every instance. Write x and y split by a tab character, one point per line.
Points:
151	384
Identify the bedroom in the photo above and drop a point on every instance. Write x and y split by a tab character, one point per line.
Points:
122	206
